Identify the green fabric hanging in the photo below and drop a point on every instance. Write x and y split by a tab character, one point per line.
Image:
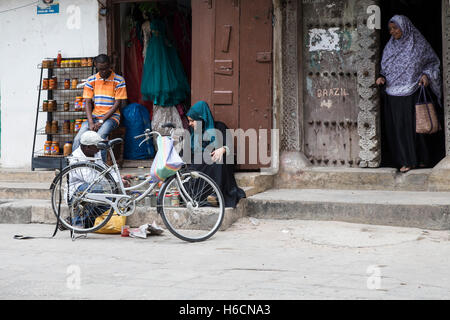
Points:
163	79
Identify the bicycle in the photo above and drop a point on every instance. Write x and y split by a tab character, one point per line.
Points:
89	190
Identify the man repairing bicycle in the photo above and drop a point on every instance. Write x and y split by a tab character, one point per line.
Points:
81	179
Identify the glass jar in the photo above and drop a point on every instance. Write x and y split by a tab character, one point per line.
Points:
72	126
48	127
51	105
45	105
47	148
45	83
67	148
47	63
66	106
78	103
66	83
78	124
74	83
90	62
66	127
54	127
53	83
55	148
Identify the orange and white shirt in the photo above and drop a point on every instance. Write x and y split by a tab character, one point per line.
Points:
104	92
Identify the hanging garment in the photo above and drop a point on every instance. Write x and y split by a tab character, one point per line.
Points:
163	81
134	63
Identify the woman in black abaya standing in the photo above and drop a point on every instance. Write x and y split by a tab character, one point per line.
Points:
408	63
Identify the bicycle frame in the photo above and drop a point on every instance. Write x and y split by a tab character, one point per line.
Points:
114	199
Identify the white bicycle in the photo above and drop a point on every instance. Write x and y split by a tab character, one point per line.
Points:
85	190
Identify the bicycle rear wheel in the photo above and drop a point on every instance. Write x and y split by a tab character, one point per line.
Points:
195	216
76	213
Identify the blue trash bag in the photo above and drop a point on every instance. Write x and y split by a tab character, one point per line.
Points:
136	119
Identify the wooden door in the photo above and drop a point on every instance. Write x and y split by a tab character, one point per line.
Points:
232	62
330	77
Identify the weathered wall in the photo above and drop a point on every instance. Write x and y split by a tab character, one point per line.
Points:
27	38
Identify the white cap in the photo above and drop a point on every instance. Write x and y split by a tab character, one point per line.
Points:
90	138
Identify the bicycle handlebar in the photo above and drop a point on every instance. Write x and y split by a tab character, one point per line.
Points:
147	134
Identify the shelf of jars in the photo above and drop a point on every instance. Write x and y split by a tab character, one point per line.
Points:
61	107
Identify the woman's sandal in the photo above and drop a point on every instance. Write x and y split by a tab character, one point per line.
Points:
405	169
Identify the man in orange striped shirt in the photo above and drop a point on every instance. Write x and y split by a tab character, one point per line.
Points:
103	93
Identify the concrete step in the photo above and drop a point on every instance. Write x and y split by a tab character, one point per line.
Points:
22	175
356	178
428	210
25	190
24	211
260	182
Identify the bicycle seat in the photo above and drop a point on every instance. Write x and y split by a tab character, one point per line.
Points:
109	144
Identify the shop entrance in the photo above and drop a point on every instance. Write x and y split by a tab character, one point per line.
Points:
420	12
129	32
226	50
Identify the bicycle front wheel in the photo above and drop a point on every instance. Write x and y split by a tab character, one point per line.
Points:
195	212
75	211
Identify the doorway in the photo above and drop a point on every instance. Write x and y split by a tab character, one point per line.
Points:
420	12
228	59
128	38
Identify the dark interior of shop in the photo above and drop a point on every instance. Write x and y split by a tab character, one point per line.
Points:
426	15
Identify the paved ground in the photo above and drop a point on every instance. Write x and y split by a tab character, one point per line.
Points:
255	259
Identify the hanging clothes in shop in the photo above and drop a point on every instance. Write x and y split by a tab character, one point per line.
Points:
133	65
163	80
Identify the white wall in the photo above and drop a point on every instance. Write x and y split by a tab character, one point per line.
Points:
27	38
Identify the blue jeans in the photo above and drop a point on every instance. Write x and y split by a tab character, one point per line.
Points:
90	212
107	127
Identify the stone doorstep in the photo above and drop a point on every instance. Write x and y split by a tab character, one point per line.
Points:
428	210
355	178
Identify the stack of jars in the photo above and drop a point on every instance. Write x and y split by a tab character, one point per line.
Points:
47	63
51	148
